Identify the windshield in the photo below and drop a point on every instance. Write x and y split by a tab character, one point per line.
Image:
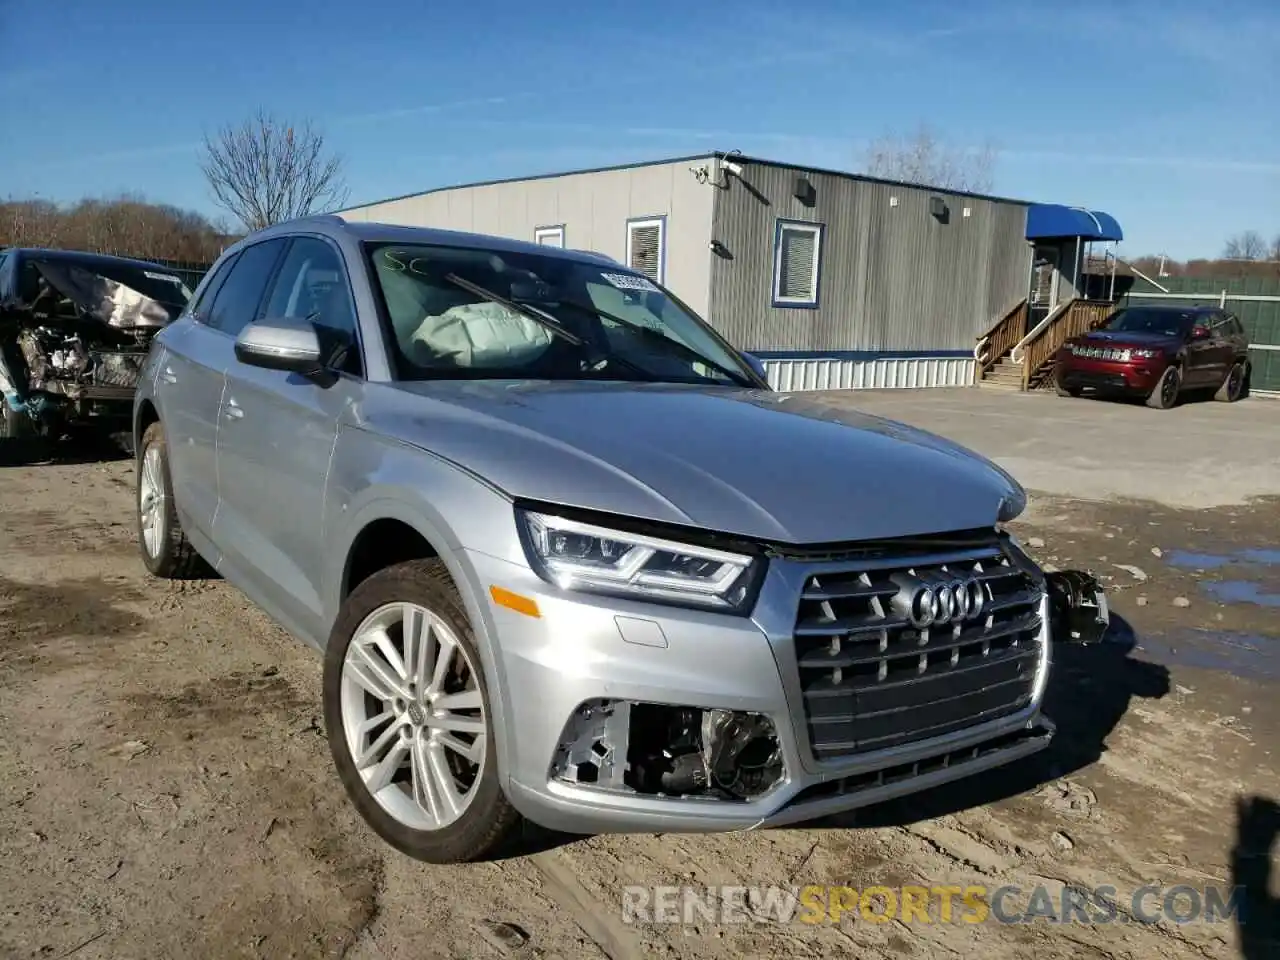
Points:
1171	323
563	319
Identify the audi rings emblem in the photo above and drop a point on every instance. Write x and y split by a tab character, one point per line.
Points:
943	601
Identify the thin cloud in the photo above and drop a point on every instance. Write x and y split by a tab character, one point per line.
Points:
117	156
395	113
1218	164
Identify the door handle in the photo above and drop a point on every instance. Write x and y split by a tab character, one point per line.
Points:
234	412
168	376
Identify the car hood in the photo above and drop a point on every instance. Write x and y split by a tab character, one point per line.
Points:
1127	338
759	464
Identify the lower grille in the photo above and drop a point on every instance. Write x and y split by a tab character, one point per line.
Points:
1100	381
875	673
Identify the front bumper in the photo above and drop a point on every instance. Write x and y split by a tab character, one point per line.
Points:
1139	376
584	648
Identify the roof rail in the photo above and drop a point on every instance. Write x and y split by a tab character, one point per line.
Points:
596	254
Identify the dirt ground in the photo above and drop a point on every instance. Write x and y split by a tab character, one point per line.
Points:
166	791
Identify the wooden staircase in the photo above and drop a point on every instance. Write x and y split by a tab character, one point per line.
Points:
1004	375
994	360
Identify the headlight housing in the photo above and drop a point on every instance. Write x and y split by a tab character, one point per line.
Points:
1144	353
575	555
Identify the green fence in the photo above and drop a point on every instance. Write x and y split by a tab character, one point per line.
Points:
1255	300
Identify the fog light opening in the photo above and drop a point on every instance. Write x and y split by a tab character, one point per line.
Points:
669	751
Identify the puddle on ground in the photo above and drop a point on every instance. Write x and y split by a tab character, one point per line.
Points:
1240	591
1251	656
1235	590
1190	560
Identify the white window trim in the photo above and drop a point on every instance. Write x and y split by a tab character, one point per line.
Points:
554	230
804	226
661	223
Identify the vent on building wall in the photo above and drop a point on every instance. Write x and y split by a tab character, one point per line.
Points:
796	263
646	241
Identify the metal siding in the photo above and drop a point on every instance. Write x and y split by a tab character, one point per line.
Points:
903	372
1259	315
892	278
594	208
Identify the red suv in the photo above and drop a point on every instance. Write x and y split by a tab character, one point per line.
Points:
1155	353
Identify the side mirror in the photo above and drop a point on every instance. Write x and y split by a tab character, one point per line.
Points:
280	343
756	364
1199	333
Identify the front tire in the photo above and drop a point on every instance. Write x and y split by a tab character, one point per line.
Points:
1233	386
14	424
166	551
1165	394
1066	391
408	719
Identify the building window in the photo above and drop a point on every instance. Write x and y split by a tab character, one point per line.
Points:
549	236
797	257
647	246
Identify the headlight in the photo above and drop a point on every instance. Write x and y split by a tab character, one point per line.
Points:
1144	353
580	556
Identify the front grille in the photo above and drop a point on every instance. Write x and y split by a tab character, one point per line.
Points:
1121	354
118	369
872	679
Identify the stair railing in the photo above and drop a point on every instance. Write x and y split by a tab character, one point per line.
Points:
999	340
1071	319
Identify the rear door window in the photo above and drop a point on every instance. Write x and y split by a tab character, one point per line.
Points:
237	302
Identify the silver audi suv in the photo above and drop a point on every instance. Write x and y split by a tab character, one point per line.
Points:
565	554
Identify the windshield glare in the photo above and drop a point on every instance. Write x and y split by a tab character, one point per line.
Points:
440	330
1150	320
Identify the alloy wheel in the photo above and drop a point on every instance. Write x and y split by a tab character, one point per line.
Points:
1234	380
413	715
152	501
1169	387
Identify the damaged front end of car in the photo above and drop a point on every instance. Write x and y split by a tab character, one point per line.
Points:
672	751
1077	607
74	334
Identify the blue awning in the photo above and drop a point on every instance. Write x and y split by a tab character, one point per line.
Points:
1052	221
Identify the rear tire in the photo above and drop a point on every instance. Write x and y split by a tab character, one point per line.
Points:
1233	386
1165	394
424	787
165	549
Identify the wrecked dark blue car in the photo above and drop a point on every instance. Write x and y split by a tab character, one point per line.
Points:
74	333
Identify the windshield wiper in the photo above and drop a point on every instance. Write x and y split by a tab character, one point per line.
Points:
669	342
535	316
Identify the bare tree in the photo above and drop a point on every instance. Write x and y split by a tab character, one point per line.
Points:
1275	247
1246	246
265	171
923	158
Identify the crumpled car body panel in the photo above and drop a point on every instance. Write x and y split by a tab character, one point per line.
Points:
75	327
103	298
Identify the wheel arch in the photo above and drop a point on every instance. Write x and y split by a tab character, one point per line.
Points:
144	416
390	530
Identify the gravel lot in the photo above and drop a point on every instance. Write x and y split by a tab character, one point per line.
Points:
165	788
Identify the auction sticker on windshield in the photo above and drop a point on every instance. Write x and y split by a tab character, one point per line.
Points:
628	281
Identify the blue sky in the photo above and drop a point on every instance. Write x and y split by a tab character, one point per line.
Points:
1164	114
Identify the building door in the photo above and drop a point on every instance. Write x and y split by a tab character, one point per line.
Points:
1043	293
